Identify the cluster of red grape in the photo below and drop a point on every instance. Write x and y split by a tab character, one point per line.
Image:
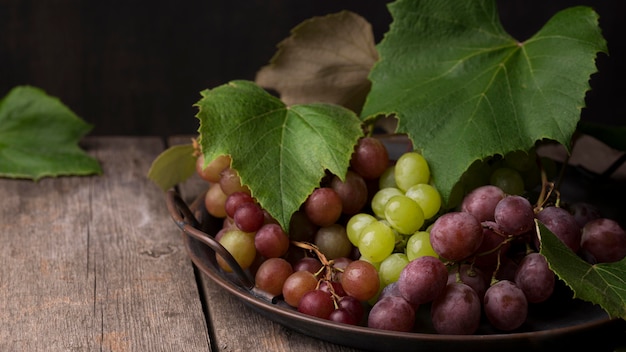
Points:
376	247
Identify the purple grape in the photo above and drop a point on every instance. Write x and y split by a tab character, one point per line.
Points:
584	212
457	311
392	313
482	201
515	215
353	306
342	315
492	246
249	217
604	239
456	235
535	278
562	224
422	280
470	275
317	303
505	305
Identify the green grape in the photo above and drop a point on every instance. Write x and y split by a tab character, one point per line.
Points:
380	198
388	178
404	214
391	267
419	245
411	169
356	224
507	179
427	197
377	242
521	160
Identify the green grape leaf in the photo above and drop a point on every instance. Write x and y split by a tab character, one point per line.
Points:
325	60
39	137
603	284
463	89
173	166
281	153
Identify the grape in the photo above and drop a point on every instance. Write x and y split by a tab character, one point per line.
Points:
332	287
271	275
471	276
505	305
323	206
418	245
249	217
482	201
377	241
535	278
297	285
380	199
391	290
457	311
521	160
422	280
301	228
427	197
404	214
360	280
411	169
310	264
356	224
214	201
492	246
370	158
340	264
391	267
333	241
230	182
316	303
562	224
456	235
234	200
352	192
240	245
507	179
271	241
514	214
388	178
352	305
392	313
342	315
211	172
604	239
583	212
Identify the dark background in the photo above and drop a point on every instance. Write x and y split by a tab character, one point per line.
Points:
137	67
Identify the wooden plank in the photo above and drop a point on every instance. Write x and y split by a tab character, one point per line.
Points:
93	263
235	326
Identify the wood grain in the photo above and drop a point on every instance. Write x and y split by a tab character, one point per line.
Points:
93	263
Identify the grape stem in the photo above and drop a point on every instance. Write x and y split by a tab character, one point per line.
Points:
327	268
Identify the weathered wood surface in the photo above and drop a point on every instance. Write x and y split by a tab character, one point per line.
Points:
96	264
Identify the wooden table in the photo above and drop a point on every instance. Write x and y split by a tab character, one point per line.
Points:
96	264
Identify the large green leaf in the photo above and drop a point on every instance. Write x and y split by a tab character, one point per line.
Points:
463	89
603	284
281	153
39	137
